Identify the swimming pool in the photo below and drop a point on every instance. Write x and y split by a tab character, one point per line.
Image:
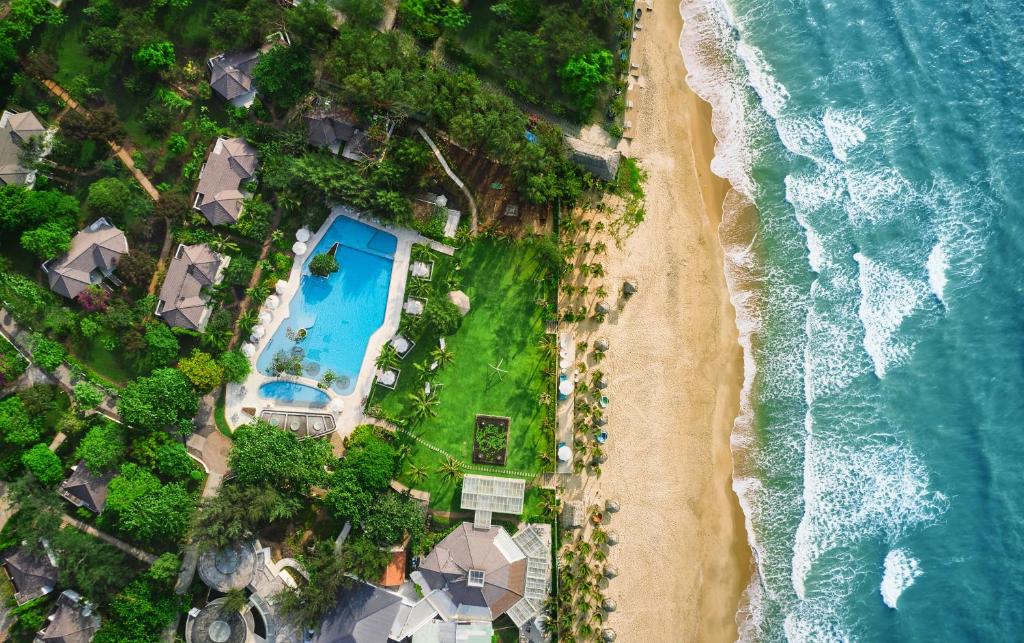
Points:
339	313
294	392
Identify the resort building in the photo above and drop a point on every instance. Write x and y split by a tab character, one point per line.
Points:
487	495
599	160
183	301
86	489
94	254
364	614
335	129
231	76
74	621
16	132
218	195
33	575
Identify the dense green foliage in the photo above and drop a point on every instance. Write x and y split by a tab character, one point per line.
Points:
102	448
12	364
238	511
323	264
92	565
202	371
46	353
43	464
284	75
140	611
17	426
145	508
164	399
234	365
394	516
327	577
48	241
264	454
87	395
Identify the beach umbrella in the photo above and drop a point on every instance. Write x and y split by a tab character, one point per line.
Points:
265	317
564	453
272	302
609	605
602	308
602	382
629	289
299	248
611	571
602	344
414	307
281	286
302	234
258	331
441	201
460	300
337	405
400	343
420	269
611	506
600	421
613	538
565	387
248	349
608	634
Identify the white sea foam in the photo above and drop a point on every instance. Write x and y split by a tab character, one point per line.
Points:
887	298
901	569
772	93
937	265
844	129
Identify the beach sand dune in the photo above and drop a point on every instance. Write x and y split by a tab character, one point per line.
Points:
676	370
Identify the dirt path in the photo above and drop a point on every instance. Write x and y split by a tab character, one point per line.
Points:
134	552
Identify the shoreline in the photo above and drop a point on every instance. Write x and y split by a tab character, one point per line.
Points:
676	371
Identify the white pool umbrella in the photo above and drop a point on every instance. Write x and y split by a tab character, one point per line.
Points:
564	453
272	302
258	331
302	234
248	349
280	286
400	343
265	317
299	248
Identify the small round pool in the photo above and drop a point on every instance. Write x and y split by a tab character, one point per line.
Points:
293	393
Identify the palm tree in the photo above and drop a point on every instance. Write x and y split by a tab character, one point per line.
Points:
234	601
601	292
388	358
443	356
247	320
549	347
276	236
220	244
450	470
423	404
597	269
417	472
600	248
259	292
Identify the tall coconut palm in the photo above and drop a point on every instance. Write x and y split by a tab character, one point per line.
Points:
450	470
443	356
423	404
417	472
549	346
388	358
597	269
220	243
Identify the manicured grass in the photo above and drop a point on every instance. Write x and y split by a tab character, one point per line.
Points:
101	361
503	280
219	417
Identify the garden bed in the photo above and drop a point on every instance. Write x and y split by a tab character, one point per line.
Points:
490	439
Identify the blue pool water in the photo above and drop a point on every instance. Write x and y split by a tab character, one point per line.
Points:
878	284
294	393
339	312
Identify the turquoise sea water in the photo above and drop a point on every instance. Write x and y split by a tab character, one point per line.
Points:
879	287
339	312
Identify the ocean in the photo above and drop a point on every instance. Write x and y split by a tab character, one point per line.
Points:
875	255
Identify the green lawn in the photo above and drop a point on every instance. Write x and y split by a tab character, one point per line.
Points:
504	281
107	364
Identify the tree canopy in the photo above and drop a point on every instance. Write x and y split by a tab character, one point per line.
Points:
164	399
264	454
202	371
102	448
48	241
147	509
43	464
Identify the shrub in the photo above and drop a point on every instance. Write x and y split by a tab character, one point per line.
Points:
443	316
46	353
155	56
87	395
43	464
201	370
323	265
102	448
48	241
235	366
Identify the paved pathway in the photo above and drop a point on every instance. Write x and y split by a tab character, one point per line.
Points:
21	339
472	468
453	177
134	552
123	154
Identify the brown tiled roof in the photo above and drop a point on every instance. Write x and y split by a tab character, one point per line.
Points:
394	574
192	269
85	489
98	248
231	162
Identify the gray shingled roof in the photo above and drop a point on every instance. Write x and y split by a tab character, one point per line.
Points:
231	73
94	253
601	161
85	489
182	300
491	551
32	574
15	130
218	197
364	614
326	130
74	621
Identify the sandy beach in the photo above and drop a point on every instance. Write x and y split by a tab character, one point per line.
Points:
676	370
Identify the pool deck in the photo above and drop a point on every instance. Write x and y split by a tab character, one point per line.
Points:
347	410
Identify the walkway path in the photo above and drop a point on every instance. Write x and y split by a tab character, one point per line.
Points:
161	263
244	306
22	340
123	154
455	179
134	552
472	468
